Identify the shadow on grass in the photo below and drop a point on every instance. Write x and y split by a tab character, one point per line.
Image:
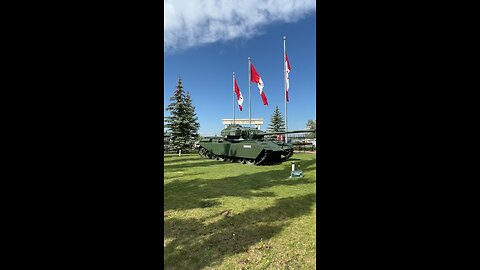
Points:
201	163
177	175
196	245
194	160
189	194
184	158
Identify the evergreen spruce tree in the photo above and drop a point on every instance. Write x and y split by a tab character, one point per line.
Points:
312	124
277	124
182	122
193	125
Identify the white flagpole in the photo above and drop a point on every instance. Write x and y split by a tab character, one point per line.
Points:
249	99
285	83
233	97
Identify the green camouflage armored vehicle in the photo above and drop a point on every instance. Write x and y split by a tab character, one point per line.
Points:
246	145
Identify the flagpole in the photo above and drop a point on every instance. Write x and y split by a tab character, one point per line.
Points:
249	99
233	97
285	83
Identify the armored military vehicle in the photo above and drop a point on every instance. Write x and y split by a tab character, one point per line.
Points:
246	145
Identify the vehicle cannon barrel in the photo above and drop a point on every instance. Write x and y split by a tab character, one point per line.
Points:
285	132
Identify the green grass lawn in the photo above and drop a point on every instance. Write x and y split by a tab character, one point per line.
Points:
234	216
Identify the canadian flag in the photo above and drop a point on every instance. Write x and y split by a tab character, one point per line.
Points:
287	71
239	94
254	77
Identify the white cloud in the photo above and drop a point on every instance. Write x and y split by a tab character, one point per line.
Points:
189	23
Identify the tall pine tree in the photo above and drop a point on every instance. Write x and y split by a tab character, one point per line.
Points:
182	123
312	124
193	125
276	123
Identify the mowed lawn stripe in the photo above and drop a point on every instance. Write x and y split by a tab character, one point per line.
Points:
222	215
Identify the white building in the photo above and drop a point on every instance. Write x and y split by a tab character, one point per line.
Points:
256	122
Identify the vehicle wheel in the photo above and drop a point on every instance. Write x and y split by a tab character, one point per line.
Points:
250	162
287	154
203	152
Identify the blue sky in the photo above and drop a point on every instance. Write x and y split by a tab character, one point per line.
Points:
205	66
